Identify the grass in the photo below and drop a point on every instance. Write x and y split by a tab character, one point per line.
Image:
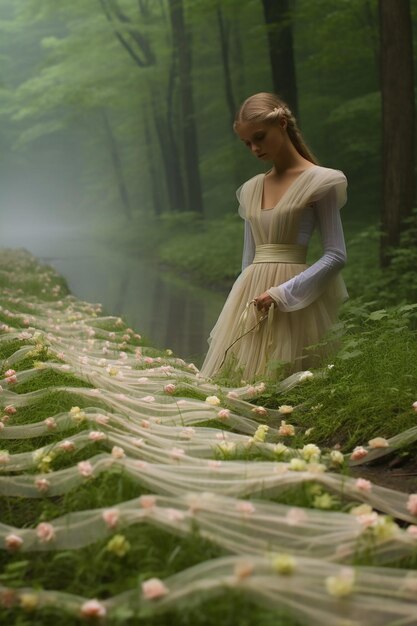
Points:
368	392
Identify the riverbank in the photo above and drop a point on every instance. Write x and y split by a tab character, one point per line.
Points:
209	252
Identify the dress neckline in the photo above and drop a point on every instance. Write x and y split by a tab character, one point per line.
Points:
287	189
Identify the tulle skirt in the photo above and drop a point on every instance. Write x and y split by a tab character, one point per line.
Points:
292	338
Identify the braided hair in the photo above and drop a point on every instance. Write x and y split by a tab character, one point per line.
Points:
268	108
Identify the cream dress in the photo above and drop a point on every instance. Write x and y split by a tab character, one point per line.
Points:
307	297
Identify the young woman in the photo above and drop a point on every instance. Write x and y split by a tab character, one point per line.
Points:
279	306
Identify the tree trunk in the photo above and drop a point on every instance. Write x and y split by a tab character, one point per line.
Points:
224	31
397	91
118	170
155	180
280	39
181	45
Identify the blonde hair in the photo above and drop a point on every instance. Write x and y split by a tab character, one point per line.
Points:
268	108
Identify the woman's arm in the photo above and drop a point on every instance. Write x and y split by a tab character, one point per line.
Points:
303	289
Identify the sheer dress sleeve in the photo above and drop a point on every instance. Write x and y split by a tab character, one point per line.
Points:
303	289
248	246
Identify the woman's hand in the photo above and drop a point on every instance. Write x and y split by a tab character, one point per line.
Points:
263	302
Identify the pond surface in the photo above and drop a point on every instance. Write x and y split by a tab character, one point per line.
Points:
164	309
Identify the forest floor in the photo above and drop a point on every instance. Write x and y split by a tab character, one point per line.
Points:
73	385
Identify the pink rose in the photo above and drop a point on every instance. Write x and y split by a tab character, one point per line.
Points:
117	452
13	542
50	423
10	373
245	507
153	588
295	516
11	380
93	608
45	532
96	435
147	502
368	519
363	485
223	414
111	517
10	410
232	395
412	530
42	484
412	504
260	410
67	446
358	453
174	515
170	388
85	469
286	430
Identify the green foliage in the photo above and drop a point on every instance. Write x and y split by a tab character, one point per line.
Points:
370	389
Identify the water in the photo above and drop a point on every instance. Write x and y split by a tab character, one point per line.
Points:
166	310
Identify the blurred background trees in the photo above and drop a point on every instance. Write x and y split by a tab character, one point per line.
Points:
129	104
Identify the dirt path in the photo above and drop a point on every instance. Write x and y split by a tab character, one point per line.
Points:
402	478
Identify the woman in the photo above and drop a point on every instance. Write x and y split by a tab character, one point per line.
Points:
279	306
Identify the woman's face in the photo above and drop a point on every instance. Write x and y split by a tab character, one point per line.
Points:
263	140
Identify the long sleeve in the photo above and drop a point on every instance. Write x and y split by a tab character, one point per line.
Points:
248	246
303	289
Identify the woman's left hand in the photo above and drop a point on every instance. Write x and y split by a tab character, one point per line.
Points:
263	302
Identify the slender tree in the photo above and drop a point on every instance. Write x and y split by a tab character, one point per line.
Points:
225	39
397	91
182	48
278	19
117	166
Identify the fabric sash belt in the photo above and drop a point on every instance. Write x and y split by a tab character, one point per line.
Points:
280	253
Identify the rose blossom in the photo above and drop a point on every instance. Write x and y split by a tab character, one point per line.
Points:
260	410
117	452
50	423
363	485
10	409
378	442
358	453
170	388
296	516
67	445
85	469
223	414
111	517
412	531
96	435
153	588
45	532
213	400
147	502
13	542
245	507
93	608
286	430
285	409
412	504
42	484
